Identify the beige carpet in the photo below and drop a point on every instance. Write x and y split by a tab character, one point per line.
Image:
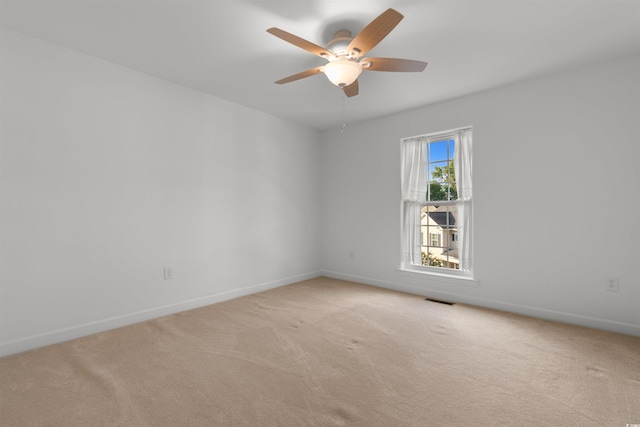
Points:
326	352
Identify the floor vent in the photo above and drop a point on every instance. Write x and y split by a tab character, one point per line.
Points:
439	301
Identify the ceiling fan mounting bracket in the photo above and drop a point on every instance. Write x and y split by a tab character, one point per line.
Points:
338	45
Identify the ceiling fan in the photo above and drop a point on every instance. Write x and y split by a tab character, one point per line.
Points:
345	53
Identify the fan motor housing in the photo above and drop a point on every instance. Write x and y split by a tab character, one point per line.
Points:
340	42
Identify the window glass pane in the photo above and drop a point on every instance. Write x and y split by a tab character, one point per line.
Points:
445	238
439	232
452	232
453	190
452	147
437	191
439	171
438	151
424	233
442	173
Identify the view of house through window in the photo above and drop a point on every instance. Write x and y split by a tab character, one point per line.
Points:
441	248
436	215
438	220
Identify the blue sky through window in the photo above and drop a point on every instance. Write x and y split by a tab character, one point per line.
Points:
440	152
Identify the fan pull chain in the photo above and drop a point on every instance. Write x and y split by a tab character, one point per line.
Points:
344	122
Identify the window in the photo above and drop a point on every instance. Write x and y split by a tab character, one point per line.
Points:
437	202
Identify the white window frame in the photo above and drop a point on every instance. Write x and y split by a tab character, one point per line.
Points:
406	265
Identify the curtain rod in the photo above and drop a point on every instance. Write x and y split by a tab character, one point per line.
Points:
438	134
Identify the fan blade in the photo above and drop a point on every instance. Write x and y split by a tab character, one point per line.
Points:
373	33
352	89
392	64
300	42
301	75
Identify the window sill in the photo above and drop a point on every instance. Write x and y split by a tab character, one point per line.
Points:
441	277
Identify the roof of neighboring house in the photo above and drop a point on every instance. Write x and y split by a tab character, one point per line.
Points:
440	218
453	254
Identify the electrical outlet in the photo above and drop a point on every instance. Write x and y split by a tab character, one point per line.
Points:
613	284
168	273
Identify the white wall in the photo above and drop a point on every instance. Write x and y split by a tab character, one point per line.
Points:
556	175
108	175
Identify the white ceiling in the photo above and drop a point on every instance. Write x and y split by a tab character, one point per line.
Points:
221	46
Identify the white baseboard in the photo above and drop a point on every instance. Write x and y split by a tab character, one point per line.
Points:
89	328
541	313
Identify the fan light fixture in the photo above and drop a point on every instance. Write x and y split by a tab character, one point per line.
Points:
342	72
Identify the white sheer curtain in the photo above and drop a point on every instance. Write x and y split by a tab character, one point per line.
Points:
414	192
414	170
463	168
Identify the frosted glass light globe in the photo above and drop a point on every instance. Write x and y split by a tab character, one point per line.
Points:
342	72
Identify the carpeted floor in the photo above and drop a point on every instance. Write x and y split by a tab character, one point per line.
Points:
325	353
